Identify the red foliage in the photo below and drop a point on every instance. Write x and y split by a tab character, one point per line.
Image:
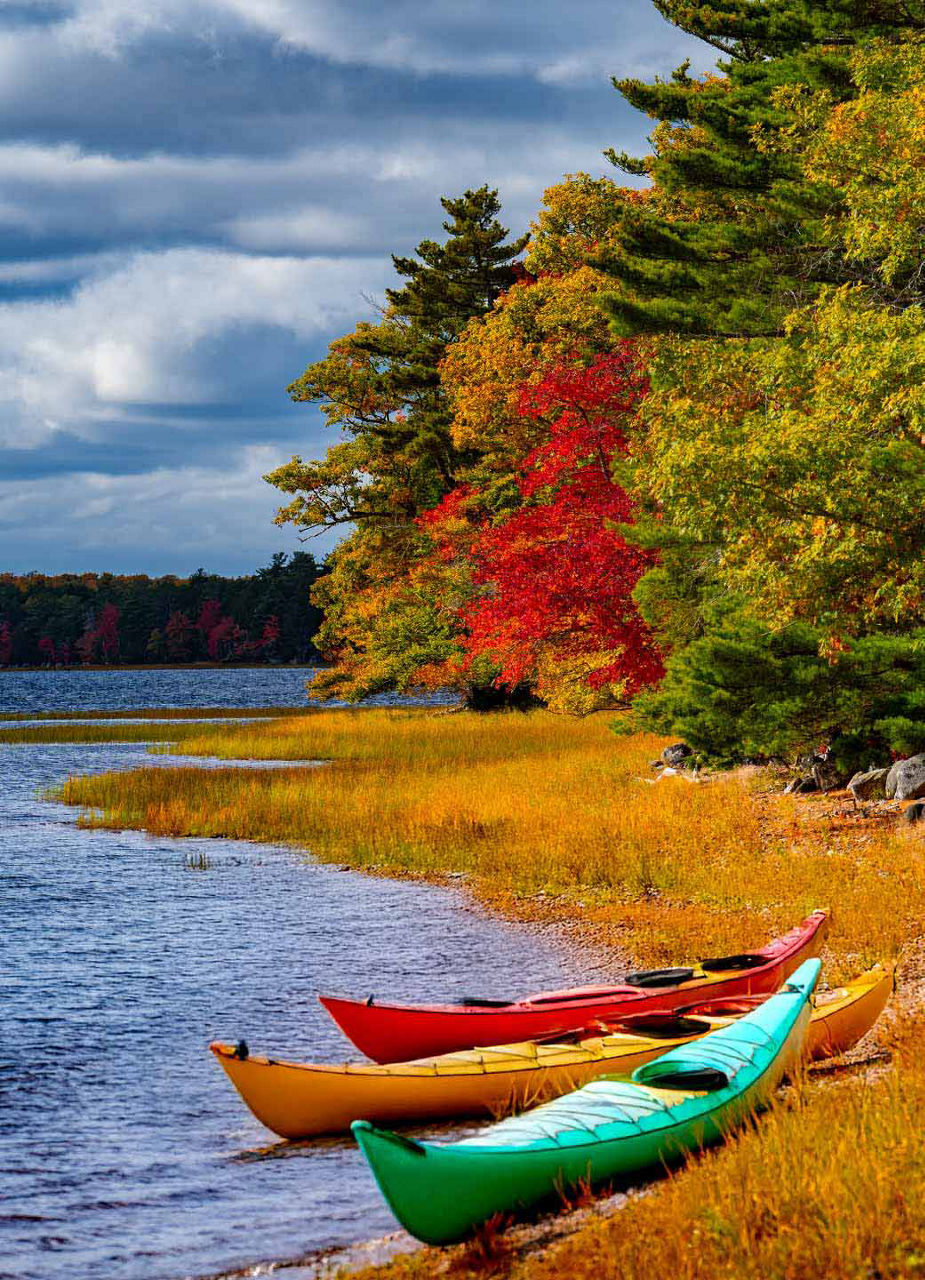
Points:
269	639
179	636
108	632
100	638
558	577
86	646
221	637
210	615
46	648
6	644
224	638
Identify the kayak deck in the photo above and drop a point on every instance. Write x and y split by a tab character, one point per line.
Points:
677	1102
300	1100
395	1032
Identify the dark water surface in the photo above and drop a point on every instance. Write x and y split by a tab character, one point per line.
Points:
124	1153
81	691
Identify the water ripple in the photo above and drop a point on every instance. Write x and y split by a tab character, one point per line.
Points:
123	1151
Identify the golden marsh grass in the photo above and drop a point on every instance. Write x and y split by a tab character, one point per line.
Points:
64	732
160	713
541	813
559	819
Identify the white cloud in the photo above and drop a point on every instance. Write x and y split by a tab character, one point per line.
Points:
142	332
358	199
476	37
307	228
50	271
168	520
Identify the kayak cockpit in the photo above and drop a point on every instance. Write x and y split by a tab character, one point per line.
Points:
689	1080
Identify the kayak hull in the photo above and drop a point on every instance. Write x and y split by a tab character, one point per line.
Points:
395	1033
304	1100
607	1130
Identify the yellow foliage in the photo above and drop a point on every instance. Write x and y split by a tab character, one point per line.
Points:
530	329
579	215
562	682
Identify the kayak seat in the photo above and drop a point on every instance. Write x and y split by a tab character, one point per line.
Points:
747	960
659	1026
677	1072
701	1080
480	1002
659	977
717	1058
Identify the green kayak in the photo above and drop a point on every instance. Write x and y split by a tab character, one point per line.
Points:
678	1102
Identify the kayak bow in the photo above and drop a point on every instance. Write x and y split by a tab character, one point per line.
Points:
396	1032
612	1127
302	1100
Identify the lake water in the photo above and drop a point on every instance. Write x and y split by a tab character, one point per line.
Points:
77	691
124	1152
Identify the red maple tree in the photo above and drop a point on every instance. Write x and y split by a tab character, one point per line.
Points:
108	632
6	644
179	634
558	576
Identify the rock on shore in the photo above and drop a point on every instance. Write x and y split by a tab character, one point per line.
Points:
906	779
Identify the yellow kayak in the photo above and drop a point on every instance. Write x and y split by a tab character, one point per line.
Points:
302	1100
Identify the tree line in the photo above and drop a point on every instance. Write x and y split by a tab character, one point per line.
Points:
89	618
666	450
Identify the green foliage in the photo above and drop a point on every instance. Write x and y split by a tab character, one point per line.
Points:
870	148
738	233
780	464
802	463
743	692
462	278
380	384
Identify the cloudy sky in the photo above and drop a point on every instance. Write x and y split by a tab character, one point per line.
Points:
195	197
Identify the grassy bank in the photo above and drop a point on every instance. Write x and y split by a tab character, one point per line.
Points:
558	819
161	731
545	816
166	725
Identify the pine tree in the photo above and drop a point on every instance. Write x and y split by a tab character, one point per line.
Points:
463	277
742	691
381	383
734	236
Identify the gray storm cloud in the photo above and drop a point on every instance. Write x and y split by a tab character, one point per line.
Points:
196	197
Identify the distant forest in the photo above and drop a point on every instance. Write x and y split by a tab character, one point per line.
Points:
90	619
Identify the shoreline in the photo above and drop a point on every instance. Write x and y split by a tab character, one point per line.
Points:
556	824
168	666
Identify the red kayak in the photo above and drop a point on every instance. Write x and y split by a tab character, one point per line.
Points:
397	1032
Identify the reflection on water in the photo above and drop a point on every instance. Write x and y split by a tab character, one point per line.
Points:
124	1153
